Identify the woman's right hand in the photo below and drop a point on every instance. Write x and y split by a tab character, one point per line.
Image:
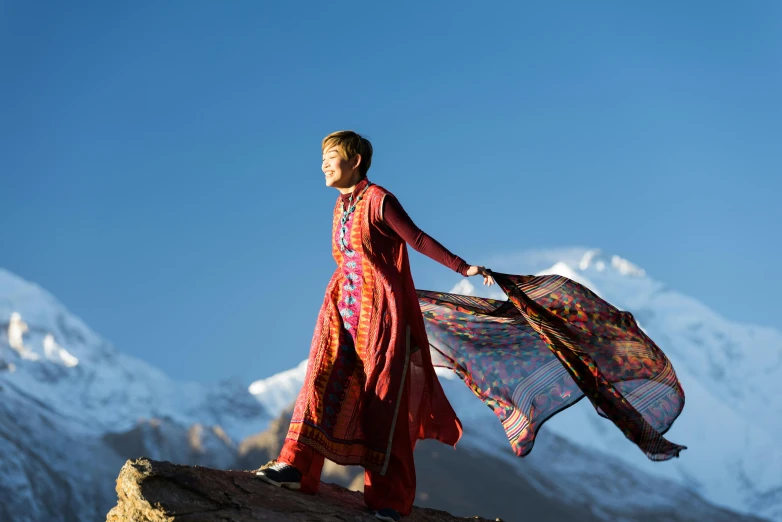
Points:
488	280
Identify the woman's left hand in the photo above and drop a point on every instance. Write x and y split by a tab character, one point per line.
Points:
488	280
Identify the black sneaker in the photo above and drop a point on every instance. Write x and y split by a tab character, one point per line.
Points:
281	475
387	514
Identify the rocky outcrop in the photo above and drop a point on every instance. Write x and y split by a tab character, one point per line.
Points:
153	491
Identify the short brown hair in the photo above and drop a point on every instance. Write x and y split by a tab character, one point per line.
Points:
351	143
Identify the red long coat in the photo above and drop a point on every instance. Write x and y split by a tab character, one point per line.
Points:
347	409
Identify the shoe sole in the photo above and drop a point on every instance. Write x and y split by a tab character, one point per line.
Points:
383	517
286	485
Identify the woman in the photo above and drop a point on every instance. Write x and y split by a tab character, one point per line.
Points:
370	390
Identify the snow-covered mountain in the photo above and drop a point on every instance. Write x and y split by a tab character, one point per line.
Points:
725	369
73	408
732	379
56	359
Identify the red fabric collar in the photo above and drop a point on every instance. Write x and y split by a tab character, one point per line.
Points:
356	190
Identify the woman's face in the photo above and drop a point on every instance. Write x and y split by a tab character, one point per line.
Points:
340	173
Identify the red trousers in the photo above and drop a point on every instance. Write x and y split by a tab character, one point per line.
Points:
395	489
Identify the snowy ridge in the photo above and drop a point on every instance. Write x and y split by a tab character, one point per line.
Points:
51	356
73	408
278	391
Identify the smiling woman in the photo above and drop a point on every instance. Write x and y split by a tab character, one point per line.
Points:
370	391
344	156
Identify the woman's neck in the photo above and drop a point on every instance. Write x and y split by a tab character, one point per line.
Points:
349	190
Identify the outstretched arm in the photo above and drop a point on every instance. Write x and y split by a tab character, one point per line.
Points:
397	219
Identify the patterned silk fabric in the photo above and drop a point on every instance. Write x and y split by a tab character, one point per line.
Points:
552	343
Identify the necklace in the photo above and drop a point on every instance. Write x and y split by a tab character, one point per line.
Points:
343	241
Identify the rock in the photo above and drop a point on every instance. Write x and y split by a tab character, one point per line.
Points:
154	491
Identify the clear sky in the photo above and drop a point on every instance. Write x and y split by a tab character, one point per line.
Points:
160	161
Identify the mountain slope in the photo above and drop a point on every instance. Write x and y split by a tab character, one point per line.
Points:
73	409
50	469
53	356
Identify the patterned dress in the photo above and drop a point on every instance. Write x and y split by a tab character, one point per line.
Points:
366	356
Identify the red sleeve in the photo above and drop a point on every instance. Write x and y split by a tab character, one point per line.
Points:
397	219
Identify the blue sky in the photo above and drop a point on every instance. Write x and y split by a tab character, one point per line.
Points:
161	160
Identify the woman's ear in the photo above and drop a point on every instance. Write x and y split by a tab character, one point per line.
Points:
357	161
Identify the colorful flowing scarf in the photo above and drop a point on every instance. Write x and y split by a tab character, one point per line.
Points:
550	344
